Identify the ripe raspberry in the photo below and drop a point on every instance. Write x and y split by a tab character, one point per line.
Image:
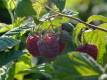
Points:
61	46
31	44
42	47
90	49
48	45
52	44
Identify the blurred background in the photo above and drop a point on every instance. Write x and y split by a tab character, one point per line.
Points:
85	8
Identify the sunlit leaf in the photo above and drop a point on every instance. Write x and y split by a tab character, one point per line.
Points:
56	23
39	6
9	4
5	28
25	26
77	32
96	17
75	66
98	38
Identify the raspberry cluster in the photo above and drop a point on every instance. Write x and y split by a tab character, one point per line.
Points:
48	45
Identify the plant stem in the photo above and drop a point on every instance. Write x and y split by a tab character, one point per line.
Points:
77	19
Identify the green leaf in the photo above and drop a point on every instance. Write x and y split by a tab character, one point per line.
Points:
22	28
1	4
77	32
5	28
6	57
40	71
56	23
98	38
60	4
9	4
7	43
39	6
95	37
24	8
96	17
5	71
23	63
76	66
11	72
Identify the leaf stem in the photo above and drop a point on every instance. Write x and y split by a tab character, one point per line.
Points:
77	19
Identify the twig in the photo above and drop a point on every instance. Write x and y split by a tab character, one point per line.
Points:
49	17
77	19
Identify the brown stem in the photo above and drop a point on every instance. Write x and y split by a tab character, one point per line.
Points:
77	19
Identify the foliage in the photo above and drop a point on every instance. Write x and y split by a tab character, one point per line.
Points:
31	17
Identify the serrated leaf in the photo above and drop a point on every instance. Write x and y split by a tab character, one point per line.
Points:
39	6
44	69
7	43
96	17
5	28
25	26
75	66
60	4
95	37
24	8
98	38
6	57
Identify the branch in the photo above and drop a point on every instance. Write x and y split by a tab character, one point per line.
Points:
77	19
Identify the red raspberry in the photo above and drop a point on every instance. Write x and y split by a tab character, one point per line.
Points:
61	46
90	49
31	43
52	45
42	47
48	45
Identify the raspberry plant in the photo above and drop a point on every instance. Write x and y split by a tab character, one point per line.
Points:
46	40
